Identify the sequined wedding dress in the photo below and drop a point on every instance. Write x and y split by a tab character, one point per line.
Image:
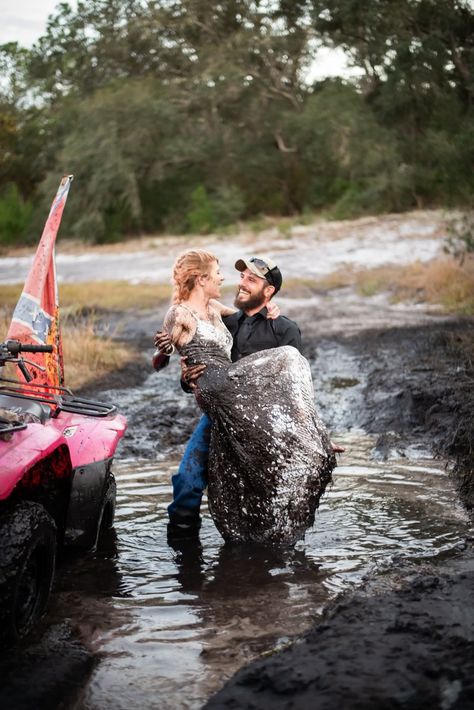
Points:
270	456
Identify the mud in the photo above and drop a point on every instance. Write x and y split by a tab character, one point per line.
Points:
408	648
44	672
406	638
410	381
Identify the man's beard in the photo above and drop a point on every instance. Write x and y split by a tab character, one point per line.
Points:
257	301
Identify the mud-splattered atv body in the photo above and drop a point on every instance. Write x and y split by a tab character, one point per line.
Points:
56	486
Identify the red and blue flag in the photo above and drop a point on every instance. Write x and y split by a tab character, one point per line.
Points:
36	316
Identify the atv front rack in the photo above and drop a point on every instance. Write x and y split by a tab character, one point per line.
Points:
7	426
89	407
60	399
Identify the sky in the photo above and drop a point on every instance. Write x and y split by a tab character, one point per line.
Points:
24	21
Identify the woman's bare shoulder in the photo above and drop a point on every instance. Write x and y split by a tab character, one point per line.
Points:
220	308
180	324
177	314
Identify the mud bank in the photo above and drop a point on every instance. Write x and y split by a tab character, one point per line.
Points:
408	648
407	638
45	671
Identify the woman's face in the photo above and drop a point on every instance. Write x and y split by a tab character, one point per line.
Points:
212	285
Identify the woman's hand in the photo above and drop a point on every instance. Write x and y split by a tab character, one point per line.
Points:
273	311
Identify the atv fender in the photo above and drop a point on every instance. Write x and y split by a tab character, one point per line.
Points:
89	486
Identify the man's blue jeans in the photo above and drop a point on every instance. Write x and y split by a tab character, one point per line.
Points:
191	479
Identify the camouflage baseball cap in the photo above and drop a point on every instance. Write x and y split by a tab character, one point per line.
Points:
264	268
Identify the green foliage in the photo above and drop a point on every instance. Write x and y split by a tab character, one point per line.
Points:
418	62
187	115
229	205
346	159
123	138
15	216
201	217
207	213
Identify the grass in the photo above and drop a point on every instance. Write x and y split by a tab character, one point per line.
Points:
95	295
440	282
87	355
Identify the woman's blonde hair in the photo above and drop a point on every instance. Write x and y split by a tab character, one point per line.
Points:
187	268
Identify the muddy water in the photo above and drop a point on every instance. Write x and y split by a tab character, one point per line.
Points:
170	624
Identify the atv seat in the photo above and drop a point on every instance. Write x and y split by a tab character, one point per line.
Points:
26	408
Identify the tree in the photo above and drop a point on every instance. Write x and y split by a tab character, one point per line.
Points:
418	58
174	113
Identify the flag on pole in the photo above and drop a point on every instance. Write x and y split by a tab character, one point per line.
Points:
36	316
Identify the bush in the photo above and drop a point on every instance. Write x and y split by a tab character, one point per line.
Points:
207	212
201	217
15	216
229	205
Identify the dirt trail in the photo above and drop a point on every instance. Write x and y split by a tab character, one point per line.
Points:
407	638
395	370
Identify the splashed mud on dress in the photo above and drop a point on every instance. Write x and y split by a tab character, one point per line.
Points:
270	457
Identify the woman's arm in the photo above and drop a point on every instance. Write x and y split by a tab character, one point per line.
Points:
221	309
272	308
180	325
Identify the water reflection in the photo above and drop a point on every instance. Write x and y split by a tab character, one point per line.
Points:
247	594
171	622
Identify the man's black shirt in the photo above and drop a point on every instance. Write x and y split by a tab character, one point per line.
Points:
254	333
251	334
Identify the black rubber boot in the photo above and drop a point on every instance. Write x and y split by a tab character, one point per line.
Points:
183	523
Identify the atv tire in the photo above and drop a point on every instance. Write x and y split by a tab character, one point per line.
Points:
27	563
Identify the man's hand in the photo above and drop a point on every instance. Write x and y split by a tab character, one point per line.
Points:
163	342
190	375
273	311
337	448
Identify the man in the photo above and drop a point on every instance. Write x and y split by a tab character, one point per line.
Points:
252	331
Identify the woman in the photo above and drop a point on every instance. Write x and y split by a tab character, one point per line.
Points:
270	455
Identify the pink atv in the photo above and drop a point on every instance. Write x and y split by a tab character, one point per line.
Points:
56	485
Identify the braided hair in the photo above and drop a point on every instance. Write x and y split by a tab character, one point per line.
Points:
187	268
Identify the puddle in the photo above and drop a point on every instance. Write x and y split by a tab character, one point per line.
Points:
171	625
